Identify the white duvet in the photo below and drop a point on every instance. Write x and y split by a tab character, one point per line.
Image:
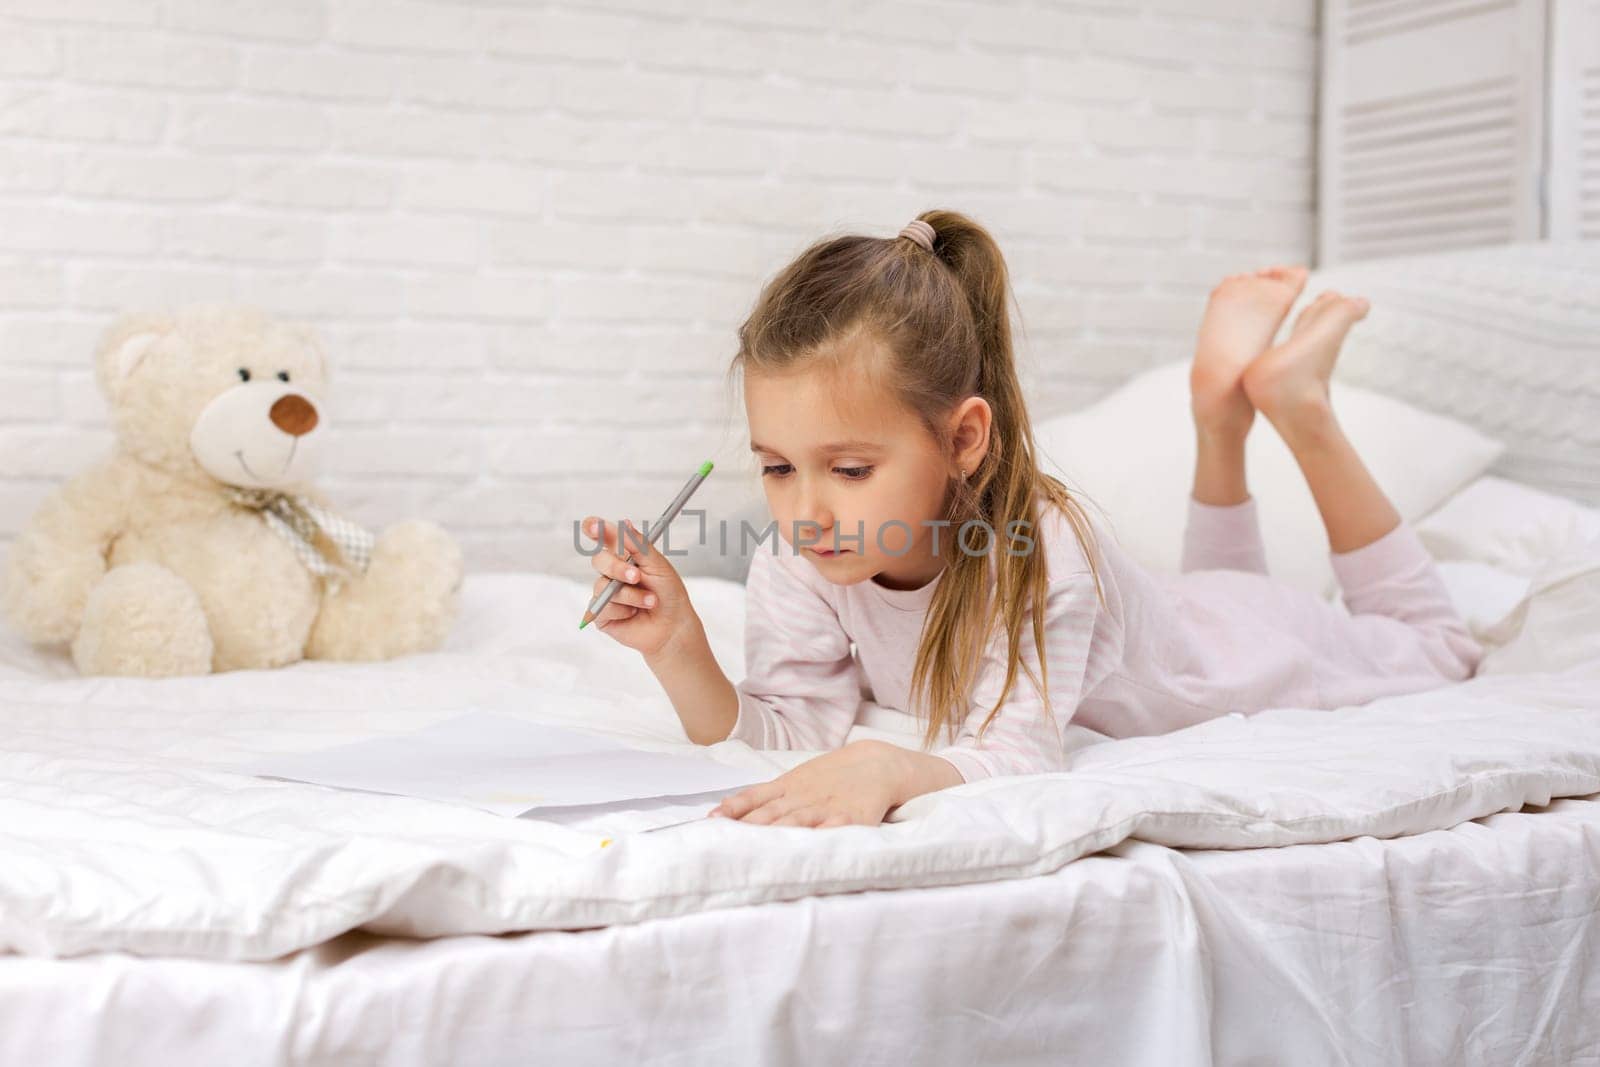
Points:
120	827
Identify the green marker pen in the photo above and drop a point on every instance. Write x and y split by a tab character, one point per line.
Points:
598	603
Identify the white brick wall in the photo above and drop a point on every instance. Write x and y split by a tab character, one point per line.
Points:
528	230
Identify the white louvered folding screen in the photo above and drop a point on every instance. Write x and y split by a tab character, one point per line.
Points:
1432	132
1575	120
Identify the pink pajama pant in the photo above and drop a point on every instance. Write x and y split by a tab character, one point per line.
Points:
1402	632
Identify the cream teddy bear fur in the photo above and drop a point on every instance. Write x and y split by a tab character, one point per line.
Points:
144	566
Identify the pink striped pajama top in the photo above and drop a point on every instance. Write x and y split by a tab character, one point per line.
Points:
1164	651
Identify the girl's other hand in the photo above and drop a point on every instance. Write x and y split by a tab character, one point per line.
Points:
858	783
651	611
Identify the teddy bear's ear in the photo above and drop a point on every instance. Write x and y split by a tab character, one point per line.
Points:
313	345
124	346
125	359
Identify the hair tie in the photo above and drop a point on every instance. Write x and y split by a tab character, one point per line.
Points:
919	232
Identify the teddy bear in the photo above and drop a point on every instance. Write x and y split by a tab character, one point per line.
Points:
199	545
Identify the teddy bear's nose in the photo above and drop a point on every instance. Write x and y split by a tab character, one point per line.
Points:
293	414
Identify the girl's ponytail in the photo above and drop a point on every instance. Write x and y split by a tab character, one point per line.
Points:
969	251
974	258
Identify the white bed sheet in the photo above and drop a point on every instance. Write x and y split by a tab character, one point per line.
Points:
1474	945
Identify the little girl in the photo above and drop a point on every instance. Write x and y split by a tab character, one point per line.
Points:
900	467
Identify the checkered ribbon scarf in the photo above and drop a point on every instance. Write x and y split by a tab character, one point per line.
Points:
327	544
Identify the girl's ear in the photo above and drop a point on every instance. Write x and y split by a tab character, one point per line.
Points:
970	426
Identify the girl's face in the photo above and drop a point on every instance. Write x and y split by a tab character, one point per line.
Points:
838	459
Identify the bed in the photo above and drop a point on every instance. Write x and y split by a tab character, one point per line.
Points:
1413	881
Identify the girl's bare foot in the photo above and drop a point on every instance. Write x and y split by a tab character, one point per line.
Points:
1241	319
1289	382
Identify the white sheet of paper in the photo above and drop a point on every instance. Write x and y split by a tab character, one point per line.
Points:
505	765
632	816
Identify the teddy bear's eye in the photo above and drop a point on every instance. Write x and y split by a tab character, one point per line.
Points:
244	374
283	376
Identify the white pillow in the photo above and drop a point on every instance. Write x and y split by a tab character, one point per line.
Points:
1132	454
1483	593
1508	525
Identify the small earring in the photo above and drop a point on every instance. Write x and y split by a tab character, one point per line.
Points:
963	472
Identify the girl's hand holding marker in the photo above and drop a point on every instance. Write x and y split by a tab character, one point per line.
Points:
640	599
